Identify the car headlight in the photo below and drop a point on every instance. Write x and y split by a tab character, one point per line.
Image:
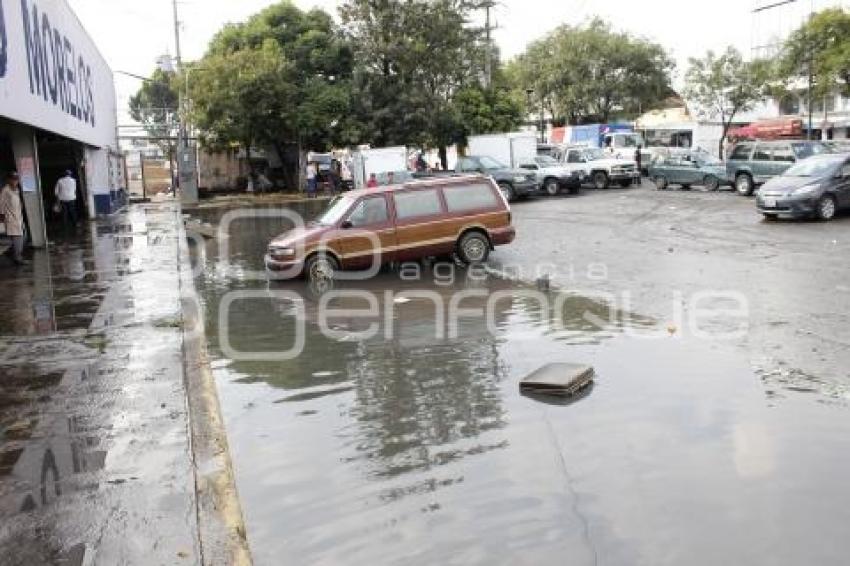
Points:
281	252
806	190
519	179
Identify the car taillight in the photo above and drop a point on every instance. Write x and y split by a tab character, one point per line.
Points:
509	217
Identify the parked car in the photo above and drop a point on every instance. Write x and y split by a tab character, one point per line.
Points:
514	183
688	168
553	176
753	163
602	169
467	215
818	186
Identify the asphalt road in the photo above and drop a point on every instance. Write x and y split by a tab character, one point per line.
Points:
655	249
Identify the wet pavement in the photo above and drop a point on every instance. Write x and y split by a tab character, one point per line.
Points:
401	436
95	464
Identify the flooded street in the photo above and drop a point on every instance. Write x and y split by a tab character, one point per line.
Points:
401	436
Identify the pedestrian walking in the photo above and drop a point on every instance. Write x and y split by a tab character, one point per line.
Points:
372	182
66	194
311	180
421	164
390	178
638	158
11	213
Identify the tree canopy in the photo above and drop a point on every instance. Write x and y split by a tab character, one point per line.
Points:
413	58
824	40
155	106
722	86
593	73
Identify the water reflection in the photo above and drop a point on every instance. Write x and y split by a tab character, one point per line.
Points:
415	446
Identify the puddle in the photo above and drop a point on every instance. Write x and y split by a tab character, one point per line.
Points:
414	445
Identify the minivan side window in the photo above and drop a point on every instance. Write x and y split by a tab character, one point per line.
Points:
369	211
741	152
762	153
574	157
469	197
412	204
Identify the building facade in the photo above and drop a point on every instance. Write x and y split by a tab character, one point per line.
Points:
57	112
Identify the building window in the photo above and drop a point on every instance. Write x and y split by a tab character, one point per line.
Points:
789	105
817	105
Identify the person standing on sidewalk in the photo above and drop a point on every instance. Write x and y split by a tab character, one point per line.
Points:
66	192
11	213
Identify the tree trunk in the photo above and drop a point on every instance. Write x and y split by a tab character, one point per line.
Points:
444	159
726	125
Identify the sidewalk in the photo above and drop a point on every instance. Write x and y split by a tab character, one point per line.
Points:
98	464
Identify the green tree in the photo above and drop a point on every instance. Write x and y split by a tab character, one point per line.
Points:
282	79
592	73
824	43
243	96
413	57
155	107
722	86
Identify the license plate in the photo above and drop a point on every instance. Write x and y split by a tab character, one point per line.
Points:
769	202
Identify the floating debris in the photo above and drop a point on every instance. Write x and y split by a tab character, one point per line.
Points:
561	379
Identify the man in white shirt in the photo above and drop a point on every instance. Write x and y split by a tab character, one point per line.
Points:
11	214
66	192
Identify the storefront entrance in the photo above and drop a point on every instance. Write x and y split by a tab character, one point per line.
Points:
55	156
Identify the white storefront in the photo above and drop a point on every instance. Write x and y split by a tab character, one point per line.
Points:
57	108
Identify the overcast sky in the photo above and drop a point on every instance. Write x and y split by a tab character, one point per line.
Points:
131	34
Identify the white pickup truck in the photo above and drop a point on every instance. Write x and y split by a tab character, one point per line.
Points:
601	167
553	176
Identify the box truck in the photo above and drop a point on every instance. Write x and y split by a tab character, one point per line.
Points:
380	162
513	149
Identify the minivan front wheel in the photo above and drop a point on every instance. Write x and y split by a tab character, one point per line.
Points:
826	208
552	187
744	184
473	247
321	267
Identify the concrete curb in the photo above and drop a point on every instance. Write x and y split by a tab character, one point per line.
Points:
221	525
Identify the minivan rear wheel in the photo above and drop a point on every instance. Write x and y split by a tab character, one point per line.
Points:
744	184
826	208
473	248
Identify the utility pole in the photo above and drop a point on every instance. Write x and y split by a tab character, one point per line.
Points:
810	62
488	41
185	155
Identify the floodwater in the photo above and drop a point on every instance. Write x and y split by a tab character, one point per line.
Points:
415	446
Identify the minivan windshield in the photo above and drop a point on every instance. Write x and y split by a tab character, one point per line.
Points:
335	210
817	167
